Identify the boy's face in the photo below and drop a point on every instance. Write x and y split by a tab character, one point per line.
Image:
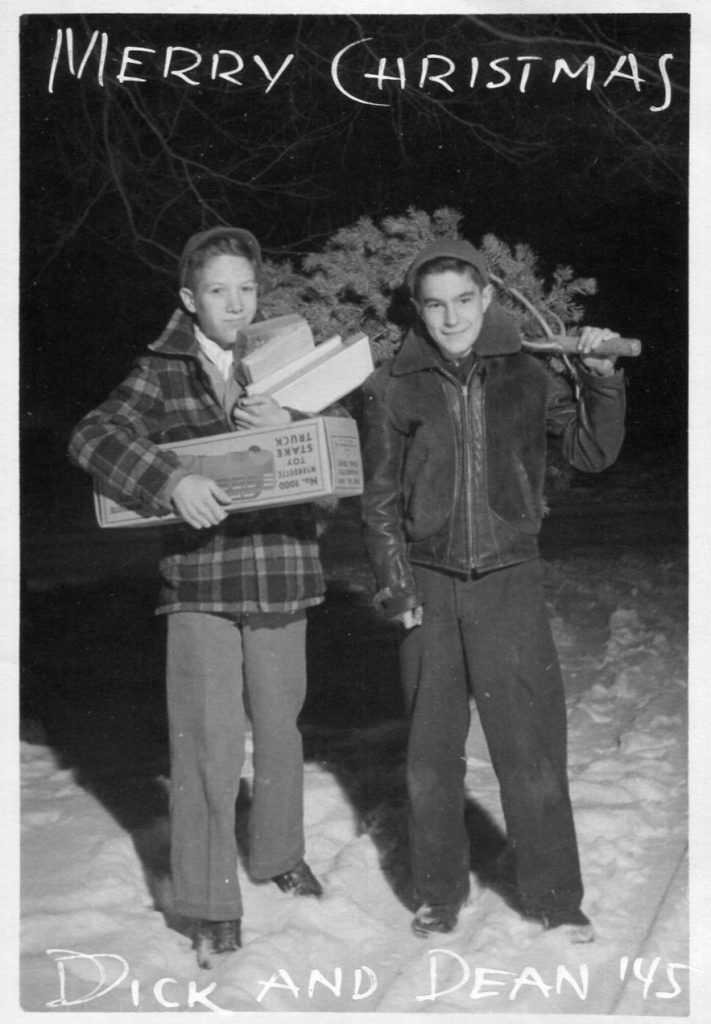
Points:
223	298
452	306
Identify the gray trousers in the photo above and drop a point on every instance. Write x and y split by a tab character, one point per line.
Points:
216	666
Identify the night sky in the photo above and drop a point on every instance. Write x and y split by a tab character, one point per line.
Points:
115	176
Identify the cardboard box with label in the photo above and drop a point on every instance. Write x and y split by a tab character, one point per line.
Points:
283	361
323	377
303	461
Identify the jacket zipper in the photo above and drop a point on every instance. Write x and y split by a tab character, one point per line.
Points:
466	457
474	404
463	390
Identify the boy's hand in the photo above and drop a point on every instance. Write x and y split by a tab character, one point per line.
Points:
199	501
589	340
411	618
259	411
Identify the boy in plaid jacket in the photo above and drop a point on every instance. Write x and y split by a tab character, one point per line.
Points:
235	589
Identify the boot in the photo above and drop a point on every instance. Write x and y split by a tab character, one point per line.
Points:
300	881
213	940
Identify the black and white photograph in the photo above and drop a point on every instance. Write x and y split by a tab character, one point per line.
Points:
359	435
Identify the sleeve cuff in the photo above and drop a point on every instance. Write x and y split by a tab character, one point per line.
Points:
617	378
390	604
165	497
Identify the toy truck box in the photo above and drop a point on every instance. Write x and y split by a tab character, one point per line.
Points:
305	460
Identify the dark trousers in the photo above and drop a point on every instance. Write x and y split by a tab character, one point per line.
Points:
490	636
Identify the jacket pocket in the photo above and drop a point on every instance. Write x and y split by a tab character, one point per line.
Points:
515	502
427	501
530	504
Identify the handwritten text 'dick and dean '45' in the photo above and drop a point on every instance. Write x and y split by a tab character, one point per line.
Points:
135	64
448	973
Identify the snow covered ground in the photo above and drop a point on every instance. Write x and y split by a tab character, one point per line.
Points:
93	939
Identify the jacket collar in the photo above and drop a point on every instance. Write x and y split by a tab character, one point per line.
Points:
498	337
178	338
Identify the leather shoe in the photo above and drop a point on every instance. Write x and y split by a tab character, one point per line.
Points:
213	939
300	881
435	917
573	924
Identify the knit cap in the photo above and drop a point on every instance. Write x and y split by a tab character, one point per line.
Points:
213	235
456	248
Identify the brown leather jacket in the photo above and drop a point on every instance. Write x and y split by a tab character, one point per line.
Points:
454	473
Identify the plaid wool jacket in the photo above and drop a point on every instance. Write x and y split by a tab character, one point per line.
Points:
257	561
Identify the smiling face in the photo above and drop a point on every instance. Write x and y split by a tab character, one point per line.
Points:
452	304
223	297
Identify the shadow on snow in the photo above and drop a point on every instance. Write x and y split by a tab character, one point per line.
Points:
93	689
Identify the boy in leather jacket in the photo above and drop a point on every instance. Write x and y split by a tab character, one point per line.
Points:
454	456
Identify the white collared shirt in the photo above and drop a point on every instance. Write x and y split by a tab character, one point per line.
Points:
223	358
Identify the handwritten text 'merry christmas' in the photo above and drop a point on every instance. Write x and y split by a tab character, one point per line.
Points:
138	64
